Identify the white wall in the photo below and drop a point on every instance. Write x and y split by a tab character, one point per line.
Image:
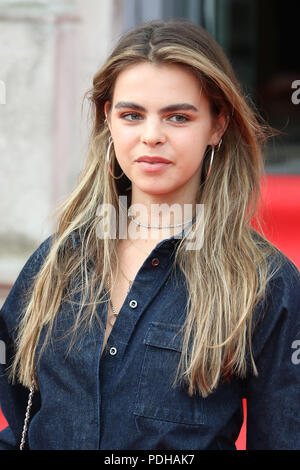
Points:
49	52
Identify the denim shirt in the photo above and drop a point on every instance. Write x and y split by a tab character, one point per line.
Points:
124	399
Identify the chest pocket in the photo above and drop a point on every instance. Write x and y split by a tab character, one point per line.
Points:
157	397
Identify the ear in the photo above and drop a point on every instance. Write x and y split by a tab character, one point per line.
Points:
220	125
107	105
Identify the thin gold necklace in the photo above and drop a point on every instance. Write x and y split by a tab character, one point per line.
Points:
114	311
129	281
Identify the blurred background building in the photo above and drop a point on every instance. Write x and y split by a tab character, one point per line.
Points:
49	52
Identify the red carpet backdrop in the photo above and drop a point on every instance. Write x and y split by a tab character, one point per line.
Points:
280	222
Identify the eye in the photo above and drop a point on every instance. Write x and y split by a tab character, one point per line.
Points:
131	116
179	118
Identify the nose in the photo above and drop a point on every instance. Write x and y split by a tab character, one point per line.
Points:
152	133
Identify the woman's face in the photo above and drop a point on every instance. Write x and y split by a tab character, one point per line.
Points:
159	112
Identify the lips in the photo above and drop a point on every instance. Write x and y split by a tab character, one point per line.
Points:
152	165
154	159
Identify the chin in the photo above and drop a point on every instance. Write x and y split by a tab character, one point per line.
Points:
156	191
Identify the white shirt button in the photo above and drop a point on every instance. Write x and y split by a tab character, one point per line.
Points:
133	303
113	351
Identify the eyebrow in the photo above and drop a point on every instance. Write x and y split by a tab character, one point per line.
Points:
171	107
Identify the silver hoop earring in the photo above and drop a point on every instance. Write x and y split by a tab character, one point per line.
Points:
211	159
108	149
110	142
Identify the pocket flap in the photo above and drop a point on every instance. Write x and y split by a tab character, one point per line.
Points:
164	335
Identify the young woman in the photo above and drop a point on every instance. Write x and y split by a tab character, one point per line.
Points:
138	328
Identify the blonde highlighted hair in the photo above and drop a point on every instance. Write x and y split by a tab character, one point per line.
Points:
225	279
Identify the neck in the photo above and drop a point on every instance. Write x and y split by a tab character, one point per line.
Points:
164	216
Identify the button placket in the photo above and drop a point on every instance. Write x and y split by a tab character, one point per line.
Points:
133	309
155	262
113	351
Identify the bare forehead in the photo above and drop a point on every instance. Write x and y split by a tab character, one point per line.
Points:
162	81
144	69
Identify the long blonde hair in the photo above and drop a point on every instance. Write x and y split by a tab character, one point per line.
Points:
225	279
